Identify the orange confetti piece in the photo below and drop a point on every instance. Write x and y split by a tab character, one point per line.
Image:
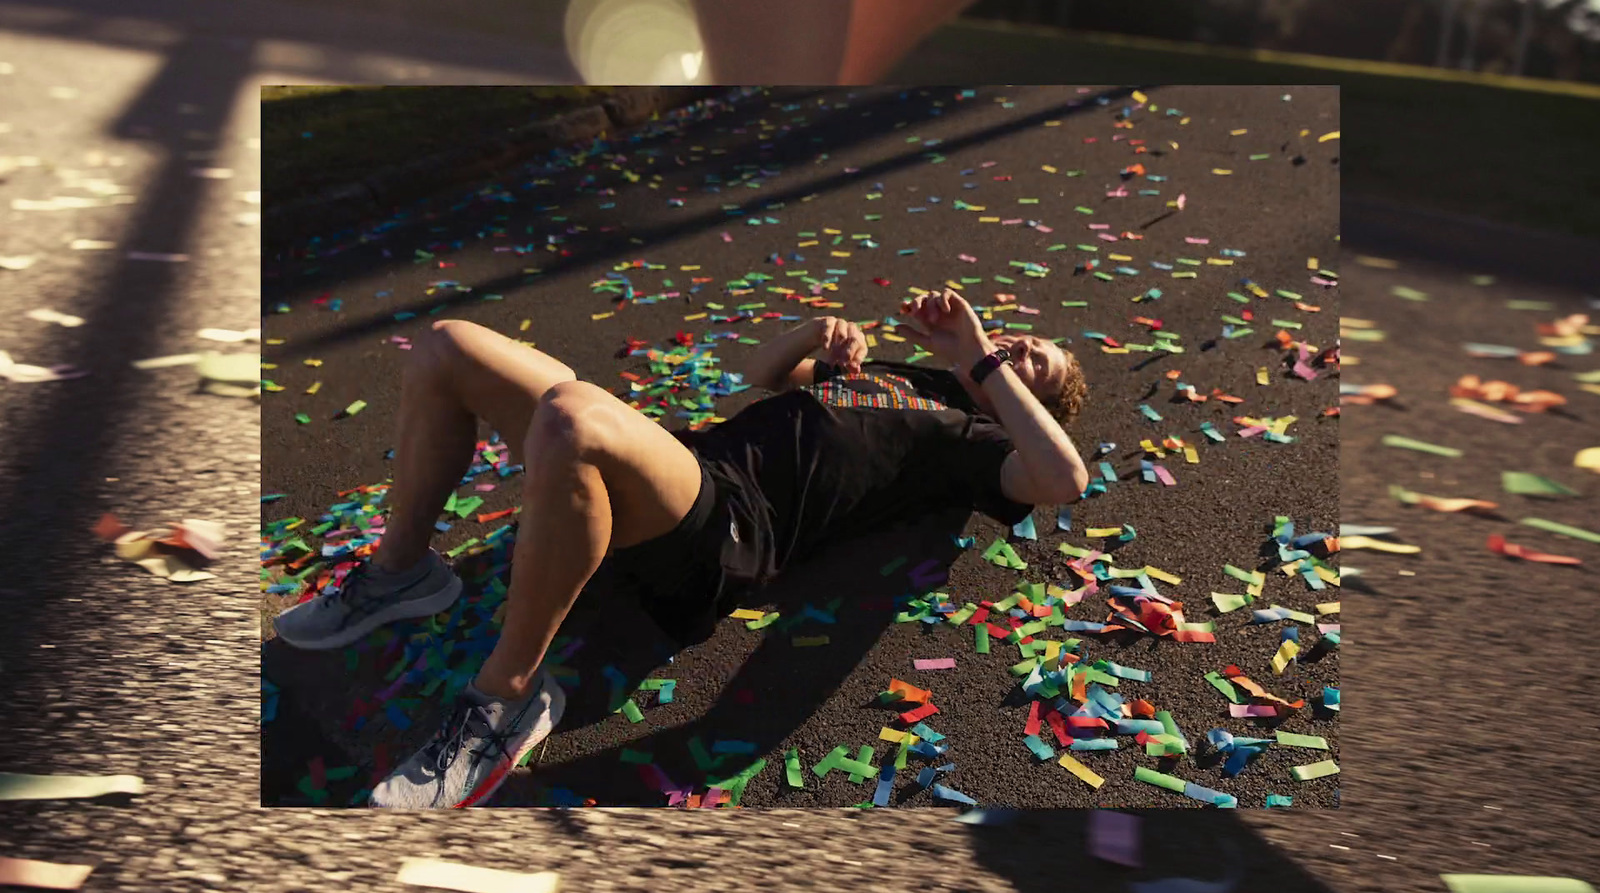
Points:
1498	544
109	528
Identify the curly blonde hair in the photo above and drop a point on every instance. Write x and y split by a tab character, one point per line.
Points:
1074	391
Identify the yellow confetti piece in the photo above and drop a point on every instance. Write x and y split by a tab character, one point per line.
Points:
599	316
1139	97
840	253
1052	123
1261	376
1377	263
1330	135
1304	132
1240	132
1589	458
978	208
1590	388
888	734
1083	772
833	232
315	387
1098	532
1049	169
872	341
988	220
1156	573
1286	653
1328	608
689	268
263	365
808	243
1328	576
1221	172
694	316
1220	261
523	327
895	338
1367	542
1120	256
1108	349
747	614
1190	454
1311	263
313	362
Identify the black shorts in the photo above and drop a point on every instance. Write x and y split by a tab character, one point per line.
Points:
690	577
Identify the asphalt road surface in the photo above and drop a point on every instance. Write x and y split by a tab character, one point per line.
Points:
143	679
906	157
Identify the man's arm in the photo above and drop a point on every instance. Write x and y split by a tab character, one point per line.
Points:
777	363
1046	468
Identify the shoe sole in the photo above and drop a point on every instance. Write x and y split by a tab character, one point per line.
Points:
411	609
485	790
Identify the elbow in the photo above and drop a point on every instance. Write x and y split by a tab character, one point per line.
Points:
1078	479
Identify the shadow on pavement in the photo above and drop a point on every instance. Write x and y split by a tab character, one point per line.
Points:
797	146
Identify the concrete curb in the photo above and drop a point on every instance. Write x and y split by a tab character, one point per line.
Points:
384	191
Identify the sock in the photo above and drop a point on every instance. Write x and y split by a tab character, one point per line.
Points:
411	573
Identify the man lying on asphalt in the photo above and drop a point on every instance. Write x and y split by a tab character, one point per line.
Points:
693	521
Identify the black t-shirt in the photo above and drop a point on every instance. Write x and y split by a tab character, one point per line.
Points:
852	453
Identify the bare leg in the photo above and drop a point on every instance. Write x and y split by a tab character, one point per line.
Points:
603	475
460	373
883	32
737	38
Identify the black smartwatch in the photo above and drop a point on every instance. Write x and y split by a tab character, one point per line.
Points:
986	366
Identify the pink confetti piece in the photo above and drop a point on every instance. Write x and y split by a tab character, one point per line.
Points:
1165	475
1251	432
935	663
1326	628
1119	192
1099	226
1011	222
1182	201
1031	311
484	488
1114	837
988	164
968	258
1243	711
727	238
1193	241
711	799
1318	280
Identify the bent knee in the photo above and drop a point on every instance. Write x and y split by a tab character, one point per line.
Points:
574	415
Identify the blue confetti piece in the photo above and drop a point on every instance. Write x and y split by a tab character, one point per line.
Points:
922	731
1024	529
925	777
1064	519
940	792
1278	800
397	717
880	797
739	747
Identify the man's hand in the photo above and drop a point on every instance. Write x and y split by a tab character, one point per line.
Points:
842	343
947	325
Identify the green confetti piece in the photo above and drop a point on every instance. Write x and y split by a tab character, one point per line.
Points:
765	621
1224	686
1279	800
1406	443
1227	601
1082	210
1529	305
1244	576
631	711
982	645
1576	533
864	757
1315	770
1159	779
302	418
355	407
1289	739
637	757
791	768
1238	297
1410	294
1286	324
831	761
1524	484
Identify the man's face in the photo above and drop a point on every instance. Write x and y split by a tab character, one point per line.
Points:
1040	364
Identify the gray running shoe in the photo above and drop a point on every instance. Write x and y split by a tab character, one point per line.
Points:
470	756
366	599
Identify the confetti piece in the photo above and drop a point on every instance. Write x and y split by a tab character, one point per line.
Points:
14	786
940	663
1524	484
50	316
1084	773
1439	503
1365	542
1289	739
1498	544
42	875
1511	883
1406	443
1114	837
1588	458
1315	770
470	879
1576	533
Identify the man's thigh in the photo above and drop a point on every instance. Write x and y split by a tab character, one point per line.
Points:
652	479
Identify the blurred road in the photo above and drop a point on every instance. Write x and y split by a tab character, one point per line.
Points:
104	670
